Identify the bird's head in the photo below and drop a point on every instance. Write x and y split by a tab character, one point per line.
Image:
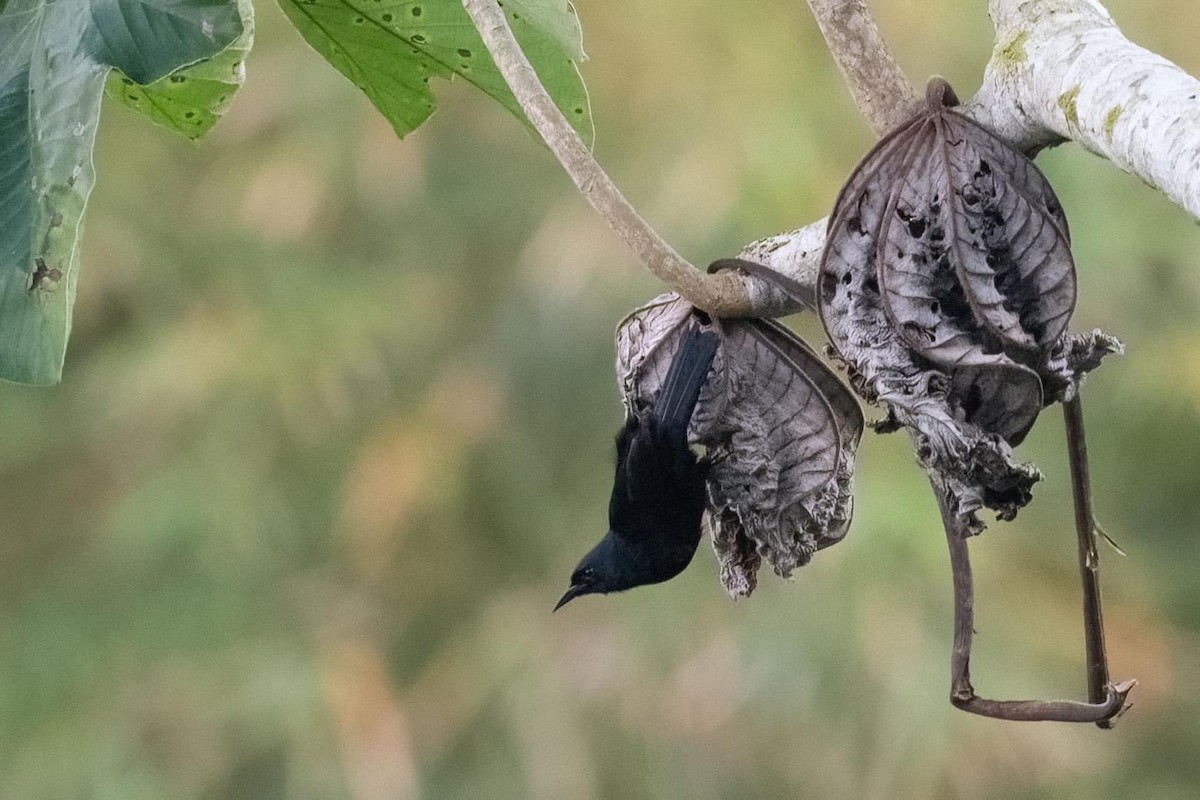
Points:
616	564
602	570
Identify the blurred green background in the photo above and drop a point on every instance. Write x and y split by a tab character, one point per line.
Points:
336	426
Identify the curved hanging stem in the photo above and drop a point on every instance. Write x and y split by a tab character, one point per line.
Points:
962	693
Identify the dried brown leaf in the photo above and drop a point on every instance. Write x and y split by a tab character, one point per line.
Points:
990	389
972	235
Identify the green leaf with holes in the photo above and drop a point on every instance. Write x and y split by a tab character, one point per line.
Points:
192	99
391	48
55	56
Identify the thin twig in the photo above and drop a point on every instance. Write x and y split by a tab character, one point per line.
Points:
962	694
795	255
876	82
1089	554
724	294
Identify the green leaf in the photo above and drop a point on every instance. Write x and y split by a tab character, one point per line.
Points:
54	58
190	100
391	48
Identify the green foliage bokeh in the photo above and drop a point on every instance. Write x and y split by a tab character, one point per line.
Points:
336	424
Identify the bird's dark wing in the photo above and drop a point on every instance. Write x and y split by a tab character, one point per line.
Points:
659	483
647	340
689	369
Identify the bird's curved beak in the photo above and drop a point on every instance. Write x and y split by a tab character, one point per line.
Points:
575	590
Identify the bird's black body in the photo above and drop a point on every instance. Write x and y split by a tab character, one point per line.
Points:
658	492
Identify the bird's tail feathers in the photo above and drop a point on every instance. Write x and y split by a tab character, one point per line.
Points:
689	369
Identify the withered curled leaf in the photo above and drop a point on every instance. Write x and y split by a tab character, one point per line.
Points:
971	232
995	392
946	284
781	431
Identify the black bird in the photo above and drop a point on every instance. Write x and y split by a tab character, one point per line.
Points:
658	492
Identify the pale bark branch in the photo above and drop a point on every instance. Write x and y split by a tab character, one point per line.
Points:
1063	70
723	294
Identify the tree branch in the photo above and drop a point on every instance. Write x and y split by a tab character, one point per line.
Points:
722	294
882	93
1063	70
795	255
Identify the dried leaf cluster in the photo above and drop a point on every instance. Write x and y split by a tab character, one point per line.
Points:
946	284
